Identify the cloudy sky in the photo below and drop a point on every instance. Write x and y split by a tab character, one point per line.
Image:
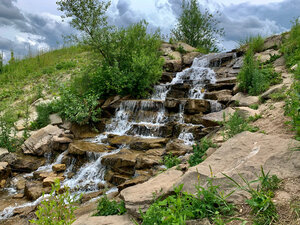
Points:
36	24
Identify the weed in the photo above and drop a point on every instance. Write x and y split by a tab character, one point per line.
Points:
295	207
278	96
182	206
256	43
58	208
262	207
106	207
8	138
171	56
170	161
235	125
199	151
181	49
254	106
254	118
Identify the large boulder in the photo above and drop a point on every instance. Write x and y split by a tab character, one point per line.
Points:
115	140
196	106
3	152
27	164
266	55
273	42
245	100
243	154
34	189
189	58
223	96
82	147
185	47
178	147
82	131
40	142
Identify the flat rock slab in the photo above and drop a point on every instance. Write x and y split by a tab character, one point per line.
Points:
141	196
213	119
245	100
81	147
103	220
148	143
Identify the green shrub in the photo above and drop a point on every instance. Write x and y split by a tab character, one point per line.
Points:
237	124
43	111
182	206
256	43
81	109
254	106
199	151
170	161
181	49
254	78
65	65
57	208
8	138
106	207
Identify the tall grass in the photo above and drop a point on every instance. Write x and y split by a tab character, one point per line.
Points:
255	42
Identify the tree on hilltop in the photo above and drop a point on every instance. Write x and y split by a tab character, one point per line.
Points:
196	28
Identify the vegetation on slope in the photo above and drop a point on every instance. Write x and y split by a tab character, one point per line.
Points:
291	50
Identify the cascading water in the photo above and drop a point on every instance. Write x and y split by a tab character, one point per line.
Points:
143	118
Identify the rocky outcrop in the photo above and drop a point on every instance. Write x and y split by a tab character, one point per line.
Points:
40	142
243	154
143	144
4	173
34	189
103	220
196	106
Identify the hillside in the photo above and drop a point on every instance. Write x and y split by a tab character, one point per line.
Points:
145	146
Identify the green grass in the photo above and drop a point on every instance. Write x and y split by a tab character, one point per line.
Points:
291	50
33	77
255	42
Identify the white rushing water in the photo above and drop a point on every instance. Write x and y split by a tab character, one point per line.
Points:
142	117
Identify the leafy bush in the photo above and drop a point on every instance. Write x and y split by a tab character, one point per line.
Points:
106	207
58	208
182	206
81	109
199	151
8	139
262	207
170	161
255	79
237	124
43	111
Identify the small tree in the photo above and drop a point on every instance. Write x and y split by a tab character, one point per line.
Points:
196	28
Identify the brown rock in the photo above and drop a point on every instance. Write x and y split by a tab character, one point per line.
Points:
196	106
214	119
148	143
132	182
141	195
245	100
116	178
83	131
81	147
116	140
223	96
122	162
103	220
177	147
40	142
27	164
18	196
89	196
34	189
41	175
186	47
5	170
150	158
59	167
48	181
189	58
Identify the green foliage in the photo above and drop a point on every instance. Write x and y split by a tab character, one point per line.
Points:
262	207
65	65
291	50
81	109
12	59
196	28
254	106
199	151
182	206
126	60
254	78
8	138
256	43
181	49
106	207
1	62
170	160
278	95
43	111
237	124
58	209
